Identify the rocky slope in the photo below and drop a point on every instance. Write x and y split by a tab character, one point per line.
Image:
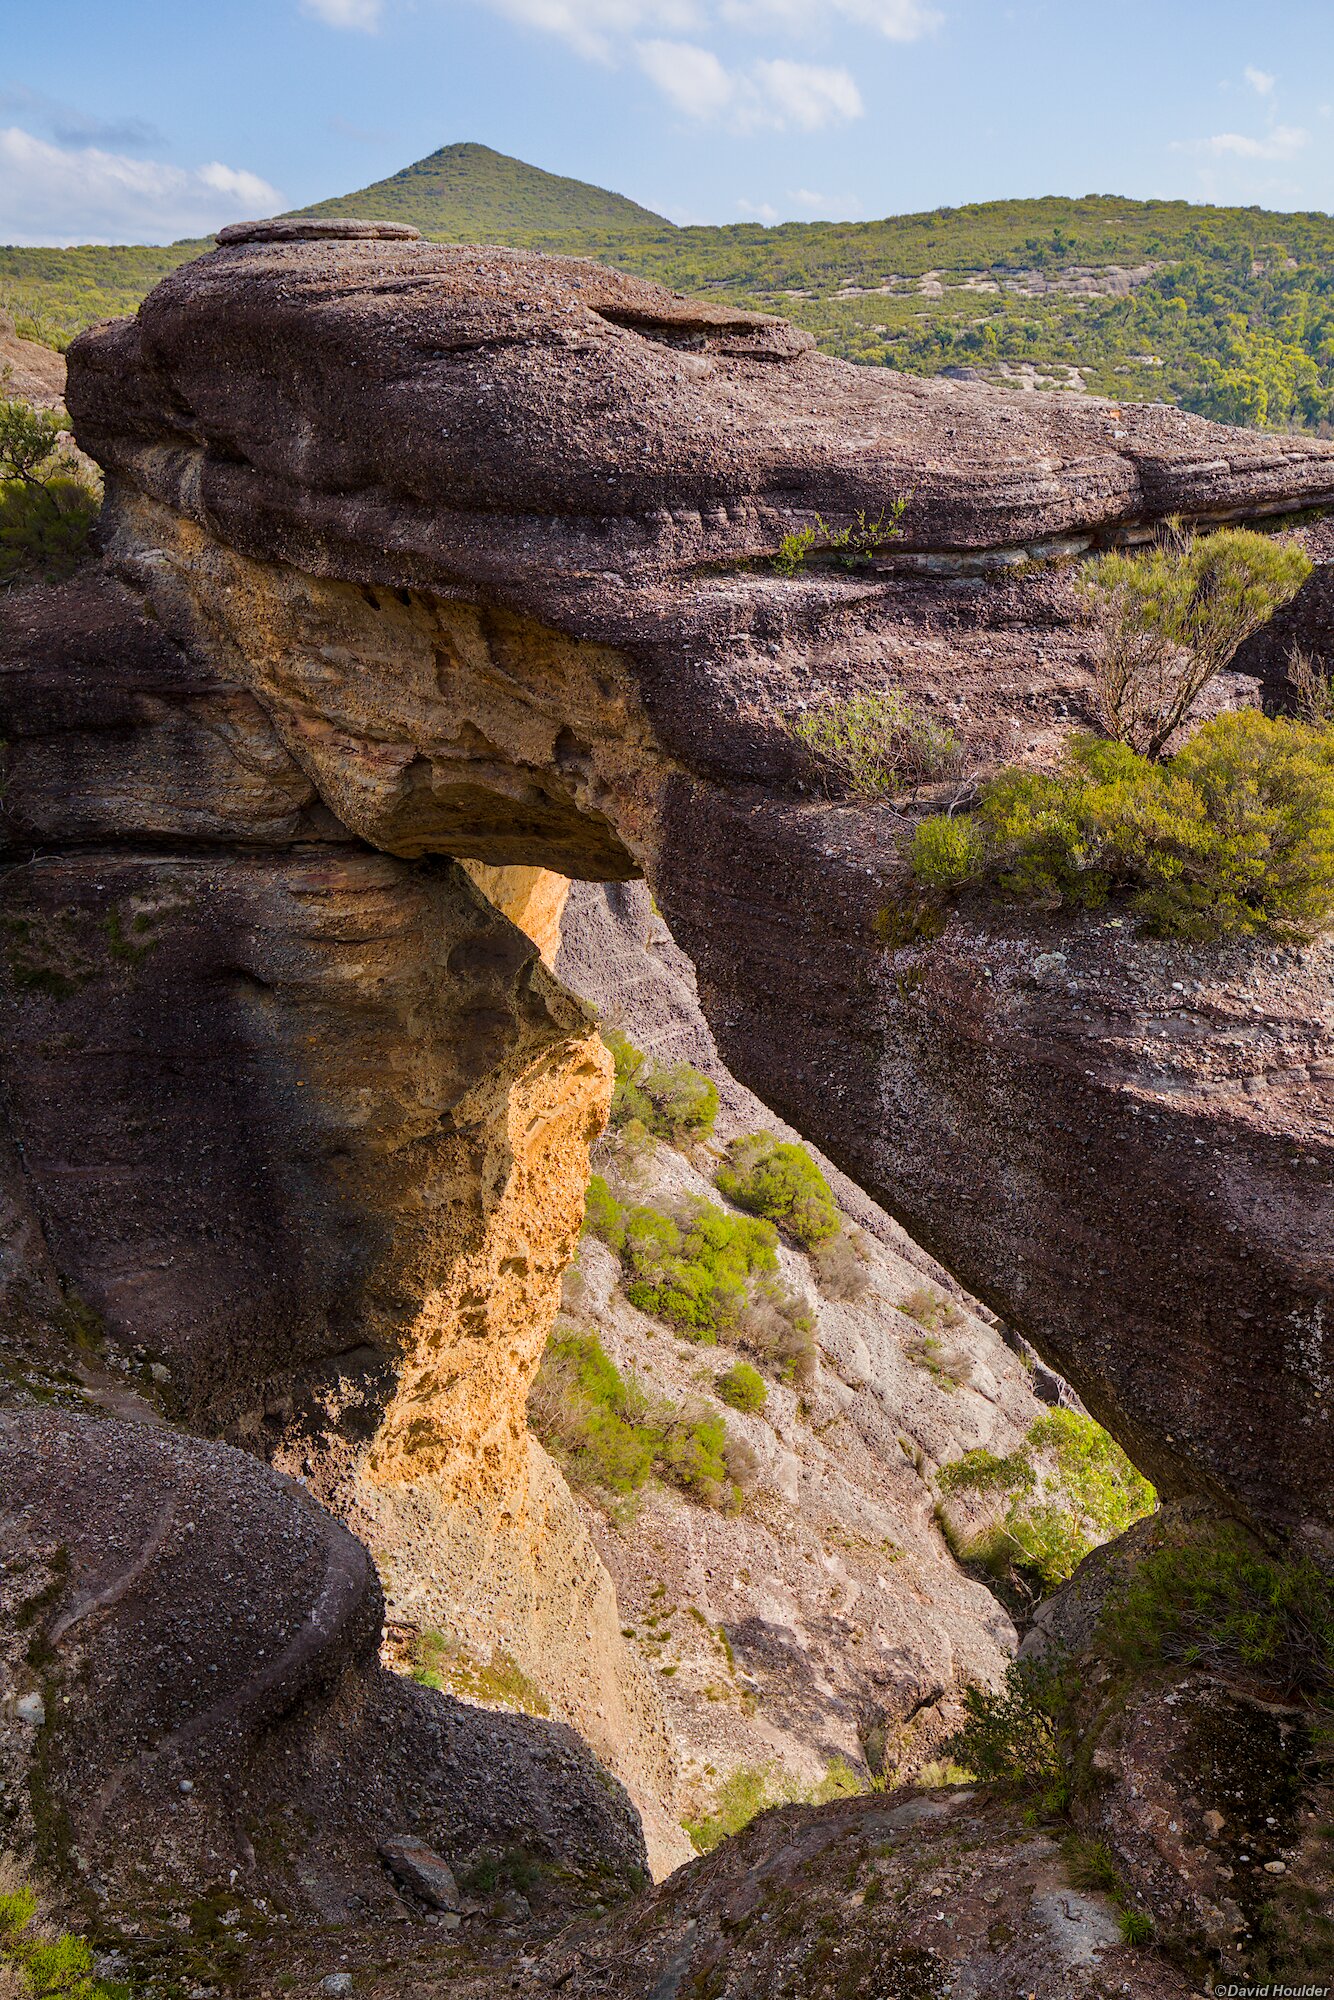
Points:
573	661
827	1622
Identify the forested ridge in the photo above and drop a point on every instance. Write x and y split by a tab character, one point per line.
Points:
1226	311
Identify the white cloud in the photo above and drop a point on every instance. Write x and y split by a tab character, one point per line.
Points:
776	95
691	78
362	16
804	95
1283	143
57	194
761	211
900	20
1261	82
592	27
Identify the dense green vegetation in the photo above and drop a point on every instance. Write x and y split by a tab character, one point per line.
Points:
753	1788
780	1181
38	1960
1065	1489
609	1434
1232	835
46	512
668	1101
1168	618
867	745
1228	311
711	1275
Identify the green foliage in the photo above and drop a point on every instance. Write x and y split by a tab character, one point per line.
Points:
868	745
743	1388
776	1179
1168	618
1136	1926
441	1661
28	439
46	514
610	1435
793	549
1018	1735
1312	683
1232	835
982	1471
948	853
673	1102
1094	1472
863	539
1216	1599
1086	1492
36	1958
1235	320
710	1274
694	1268
930	1309
45	529
753	1788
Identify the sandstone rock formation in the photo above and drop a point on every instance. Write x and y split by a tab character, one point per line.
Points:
297	1135
199	1707
28	369
477	533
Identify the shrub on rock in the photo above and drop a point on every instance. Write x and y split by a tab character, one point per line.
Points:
1232	835
780	1181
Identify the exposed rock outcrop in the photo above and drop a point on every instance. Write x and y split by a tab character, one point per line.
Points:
210	1717
473	529
299	1136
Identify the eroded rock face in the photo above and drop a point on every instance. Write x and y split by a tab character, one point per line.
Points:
472	529
200	1710
297	1133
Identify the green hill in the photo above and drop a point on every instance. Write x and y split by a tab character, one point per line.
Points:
1227	311
469	194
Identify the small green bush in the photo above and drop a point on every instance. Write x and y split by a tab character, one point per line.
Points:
780	1181
870	744
38	1961
1169	617
609	1435
1235	834
1216	1599
1019	1734
743	1387
840	1265
672	1102
694	1268
440	1661
982	1471
793	550
604	1216
45	528
46	512
1110	1492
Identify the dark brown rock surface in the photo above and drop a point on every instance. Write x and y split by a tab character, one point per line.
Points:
477	532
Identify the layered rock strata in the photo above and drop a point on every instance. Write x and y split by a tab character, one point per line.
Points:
296	1139
482	535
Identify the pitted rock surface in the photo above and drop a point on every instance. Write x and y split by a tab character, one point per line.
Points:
216	1719
478	532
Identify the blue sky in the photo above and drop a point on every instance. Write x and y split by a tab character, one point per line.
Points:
134	121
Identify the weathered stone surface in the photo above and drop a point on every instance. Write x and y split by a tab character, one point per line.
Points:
924	1894
473	528
300	1132
204	1638
423	1870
